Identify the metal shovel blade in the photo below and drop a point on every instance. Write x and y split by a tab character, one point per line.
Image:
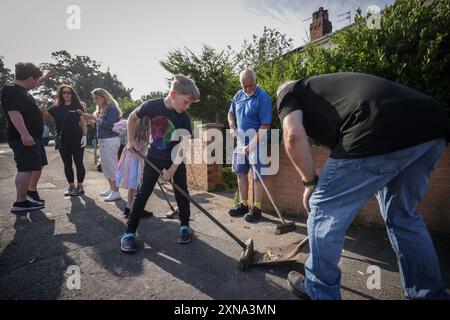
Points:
294	252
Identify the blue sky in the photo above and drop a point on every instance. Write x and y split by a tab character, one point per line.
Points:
131	37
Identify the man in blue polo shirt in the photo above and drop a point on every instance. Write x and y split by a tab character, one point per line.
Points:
249	118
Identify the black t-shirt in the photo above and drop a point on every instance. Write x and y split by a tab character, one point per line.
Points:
360	115
16	98
164	122
71	129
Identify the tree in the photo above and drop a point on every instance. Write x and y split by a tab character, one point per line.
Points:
412	47
152	95
5	73
127	105
5	76
84	75
263	50
212	71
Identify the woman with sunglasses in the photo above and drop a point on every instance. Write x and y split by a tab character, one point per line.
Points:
73	131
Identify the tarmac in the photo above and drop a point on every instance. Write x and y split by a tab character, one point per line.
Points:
71	248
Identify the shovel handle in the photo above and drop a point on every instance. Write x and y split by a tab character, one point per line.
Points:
165	195
193	201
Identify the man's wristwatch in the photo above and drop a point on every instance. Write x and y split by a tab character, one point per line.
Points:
311	183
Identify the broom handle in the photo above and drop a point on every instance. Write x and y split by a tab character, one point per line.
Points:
195	203
268	193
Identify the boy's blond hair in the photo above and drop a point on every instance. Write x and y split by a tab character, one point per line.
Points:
185	86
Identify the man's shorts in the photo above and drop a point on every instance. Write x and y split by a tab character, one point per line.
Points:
29	158
241	164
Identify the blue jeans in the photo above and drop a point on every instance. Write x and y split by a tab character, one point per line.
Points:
399	180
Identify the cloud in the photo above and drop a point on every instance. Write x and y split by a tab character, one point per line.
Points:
303	9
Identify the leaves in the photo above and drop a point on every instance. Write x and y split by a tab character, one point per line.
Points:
84	74
212	71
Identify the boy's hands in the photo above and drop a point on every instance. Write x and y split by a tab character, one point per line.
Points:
169	173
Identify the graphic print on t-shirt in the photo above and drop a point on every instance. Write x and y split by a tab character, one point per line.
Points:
162	130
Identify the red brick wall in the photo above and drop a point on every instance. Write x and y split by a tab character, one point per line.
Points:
287	189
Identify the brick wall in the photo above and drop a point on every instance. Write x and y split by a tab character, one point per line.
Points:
287	189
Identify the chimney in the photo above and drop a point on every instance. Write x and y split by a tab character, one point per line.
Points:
320	25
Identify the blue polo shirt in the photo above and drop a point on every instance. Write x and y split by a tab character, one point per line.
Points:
251	112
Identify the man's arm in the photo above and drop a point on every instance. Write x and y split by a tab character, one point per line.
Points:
17	121
260	135
83	126
47	76
297	145
232	123
299	151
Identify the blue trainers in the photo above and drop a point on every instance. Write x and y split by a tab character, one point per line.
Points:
186	235
128	242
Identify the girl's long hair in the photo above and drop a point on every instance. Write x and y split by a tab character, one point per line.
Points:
110	101
142	131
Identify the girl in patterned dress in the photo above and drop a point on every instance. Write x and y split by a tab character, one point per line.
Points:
129	170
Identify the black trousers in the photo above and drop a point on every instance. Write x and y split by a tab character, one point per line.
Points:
145	190
71	152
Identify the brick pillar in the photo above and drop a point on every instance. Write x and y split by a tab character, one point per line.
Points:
200	174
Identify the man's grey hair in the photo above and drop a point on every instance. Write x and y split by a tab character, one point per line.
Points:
247	73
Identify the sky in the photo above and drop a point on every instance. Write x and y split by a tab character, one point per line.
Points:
131	37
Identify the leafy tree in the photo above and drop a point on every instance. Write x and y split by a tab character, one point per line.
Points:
127	105
263	51
412	47
84	75
5	73
5	76
212	71
152	95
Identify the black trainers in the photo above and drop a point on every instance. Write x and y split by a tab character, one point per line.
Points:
76	192
69	190
254	214
34	196
128	242
185	235
296	284
239	211
26	206
126	212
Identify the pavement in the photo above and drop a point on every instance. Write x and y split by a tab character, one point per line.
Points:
71	248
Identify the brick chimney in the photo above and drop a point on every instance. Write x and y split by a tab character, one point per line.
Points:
320	25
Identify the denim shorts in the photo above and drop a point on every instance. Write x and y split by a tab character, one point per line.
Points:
29	158
241	164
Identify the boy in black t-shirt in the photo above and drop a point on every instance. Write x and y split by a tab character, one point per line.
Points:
169	122
25	129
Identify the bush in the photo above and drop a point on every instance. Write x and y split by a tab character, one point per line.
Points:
229	178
